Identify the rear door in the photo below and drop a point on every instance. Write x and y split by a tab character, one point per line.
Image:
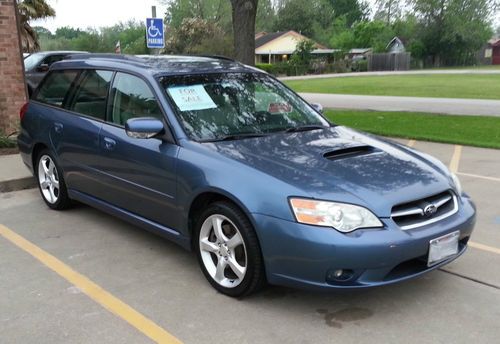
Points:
140	173
76	131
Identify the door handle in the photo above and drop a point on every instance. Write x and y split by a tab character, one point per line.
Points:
109	144
58	127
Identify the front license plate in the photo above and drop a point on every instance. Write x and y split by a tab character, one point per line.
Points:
443	248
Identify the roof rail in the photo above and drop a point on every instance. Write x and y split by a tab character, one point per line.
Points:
101	56
220	57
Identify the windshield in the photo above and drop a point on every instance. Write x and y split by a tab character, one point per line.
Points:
32	61
217	106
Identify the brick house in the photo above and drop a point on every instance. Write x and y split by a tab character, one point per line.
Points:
12	87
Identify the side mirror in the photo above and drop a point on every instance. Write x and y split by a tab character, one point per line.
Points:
43	67
144	127
318	107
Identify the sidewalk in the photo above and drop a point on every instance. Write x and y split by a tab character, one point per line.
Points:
450	106
14	175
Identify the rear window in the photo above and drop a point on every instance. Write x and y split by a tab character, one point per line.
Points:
90	96
55	87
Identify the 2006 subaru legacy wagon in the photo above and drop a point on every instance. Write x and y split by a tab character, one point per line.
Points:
223	159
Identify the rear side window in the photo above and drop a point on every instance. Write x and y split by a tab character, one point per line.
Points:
132	98
55	87
91	94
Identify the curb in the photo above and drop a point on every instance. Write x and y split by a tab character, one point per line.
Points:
17	184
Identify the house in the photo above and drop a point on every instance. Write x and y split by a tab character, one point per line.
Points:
358	53
490	53
395	46
279	46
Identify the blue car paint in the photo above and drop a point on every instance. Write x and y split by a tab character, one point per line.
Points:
153	183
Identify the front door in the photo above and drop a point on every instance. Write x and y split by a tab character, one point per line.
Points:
140	173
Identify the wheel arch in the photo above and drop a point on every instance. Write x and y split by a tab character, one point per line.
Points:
207	197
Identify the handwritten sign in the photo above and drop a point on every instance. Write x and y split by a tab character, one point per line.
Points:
189	98
279	108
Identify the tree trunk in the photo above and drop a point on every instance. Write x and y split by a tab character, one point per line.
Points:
244	12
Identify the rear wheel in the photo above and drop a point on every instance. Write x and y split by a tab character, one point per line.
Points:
51	182
228	250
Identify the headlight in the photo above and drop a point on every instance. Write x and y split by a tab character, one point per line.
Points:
457	183
341	216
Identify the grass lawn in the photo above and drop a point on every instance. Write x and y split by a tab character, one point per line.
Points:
480	131
478	86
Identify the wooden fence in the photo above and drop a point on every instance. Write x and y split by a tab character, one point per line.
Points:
389	61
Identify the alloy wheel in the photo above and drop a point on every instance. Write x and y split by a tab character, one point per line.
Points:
223	251
48	179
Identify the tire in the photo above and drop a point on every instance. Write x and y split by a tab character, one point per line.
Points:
233	265
51	181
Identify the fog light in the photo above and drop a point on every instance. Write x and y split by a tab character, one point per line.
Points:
339	275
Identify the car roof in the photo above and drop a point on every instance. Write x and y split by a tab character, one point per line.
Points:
155	64
57	52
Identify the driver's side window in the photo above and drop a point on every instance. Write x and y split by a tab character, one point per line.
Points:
132	98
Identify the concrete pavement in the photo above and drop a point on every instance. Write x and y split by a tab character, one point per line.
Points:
452	106
408	72
13	174
459	304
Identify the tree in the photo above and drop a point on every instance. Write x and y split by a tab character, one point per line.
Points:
388	10
29	10
243	14
452	31
297	15
198	36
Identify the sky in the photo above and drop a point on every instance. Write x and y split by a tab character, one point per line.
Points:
98	13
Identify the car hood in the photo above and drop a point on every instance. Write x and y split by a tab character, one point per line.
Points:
341	164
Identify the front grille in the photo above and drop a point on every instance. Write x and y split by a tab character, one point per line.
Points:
425	211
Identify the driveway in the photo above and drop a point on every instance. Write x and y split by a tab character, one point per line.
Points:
81	276
450	106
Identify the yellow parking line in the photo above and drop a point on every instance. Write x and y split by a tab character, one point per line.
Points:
478	176
484	247
411	143
455	159
95	292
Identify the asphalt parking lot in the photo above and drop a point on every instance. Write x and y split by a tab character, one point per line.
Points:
81	276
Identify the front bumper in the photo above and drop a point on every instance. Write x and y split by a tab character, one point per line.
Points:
305	256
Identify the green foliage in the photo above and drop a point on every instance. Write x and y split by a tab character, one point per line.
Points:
198	36
366	34
452	31
6	143
302	54
131	36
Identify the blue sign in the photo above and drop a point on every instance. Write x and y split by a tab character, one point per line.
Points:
154	33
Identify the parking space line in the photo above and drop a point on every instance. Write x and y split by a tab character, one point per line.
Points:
478	176
484	247
455	159
411	143
91	289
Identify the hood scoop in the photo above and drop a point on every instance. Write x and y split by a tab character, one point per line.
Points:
350	152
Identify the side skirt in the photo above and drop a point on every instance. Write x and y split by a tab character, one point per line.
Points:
132	218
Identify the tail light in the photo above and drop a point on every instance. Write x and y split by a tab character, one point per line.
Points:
23	110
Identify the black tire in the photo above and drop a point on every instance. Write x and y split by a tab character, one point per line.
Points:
254	278
63	201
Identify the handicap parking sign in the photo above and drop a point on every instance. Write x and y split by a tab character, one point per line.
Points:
154	33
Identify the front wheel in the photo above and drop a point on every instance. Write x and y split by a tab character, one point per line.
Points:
51	182
228	250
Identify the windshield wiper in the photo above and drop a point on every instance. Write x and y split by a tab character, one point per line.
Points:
305	128
233	137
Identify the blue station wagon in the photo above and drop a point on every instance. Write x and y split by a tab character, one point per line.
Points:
225	160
